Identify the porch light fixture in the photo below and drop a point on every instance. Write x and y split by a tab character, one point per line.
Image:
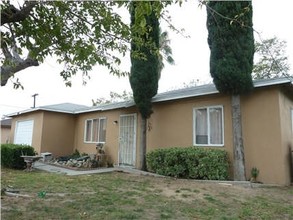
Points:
115	122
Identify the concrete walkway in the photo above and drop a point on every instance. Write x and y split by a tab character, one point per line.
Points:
70	172
61	170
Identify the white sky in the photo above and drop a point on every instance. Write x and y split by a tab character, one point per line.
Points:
271	18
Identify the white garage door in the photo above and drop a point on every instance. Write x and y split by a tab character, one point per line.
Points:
24	132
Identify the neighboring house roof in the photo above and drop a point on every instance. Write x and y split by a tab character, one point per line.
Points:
166	96
6	123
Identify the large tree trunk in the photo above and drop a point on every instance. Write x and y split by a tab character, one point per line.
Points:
142	144
239	165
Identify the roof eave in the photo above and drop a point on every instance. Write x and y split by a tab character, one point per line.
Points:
158	99
38	109
272	82
107	107
167	96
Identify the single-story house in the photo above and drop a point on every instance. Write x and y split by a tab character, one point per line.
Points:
5	130
199	116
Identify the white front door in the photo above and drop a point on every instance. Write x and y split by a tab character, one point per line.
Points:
24	132
127	140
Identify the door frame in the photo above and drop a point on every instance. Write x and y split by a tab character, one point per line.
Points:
134	137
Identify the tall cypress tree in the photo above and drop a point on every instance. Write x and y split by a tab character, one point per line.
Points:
231	42
144	73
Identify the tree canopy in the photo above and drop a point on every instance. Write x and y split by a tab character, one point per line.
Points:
144	73
271	59
81	34
165	50
231	42
114	97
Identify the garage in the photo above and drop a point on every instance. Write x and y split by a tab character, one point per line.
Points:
24	132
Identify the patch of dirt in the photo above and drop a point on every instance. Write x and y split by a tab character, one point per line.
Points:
190	190
8	201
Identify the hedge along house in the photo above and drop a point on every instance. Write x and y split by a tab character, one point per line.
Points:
197	116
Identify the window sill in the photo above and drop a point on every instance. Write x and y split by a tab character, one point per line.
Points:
208	145
88	142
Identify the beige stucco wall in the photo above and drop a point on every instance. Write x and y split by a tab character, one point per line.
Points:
52	132
171	124
58	133
5	135
266	121
37	127
286	106
112	132
262	118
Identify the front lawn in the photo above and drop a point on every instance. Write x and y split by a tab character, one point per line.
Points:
128	196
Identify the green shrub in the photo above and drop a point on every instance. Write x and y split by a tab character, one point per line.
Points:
11	155
76	154
191	162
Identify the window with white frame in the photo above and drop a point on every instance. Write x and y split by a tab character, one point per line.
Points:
95	130
209	126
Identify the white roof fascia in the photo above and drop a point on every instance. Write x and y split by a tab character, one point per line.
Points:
211	89
105	107
271	82
39	109
22	112
186	93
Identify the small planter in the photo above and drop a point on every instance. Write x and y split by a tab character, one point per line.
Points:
254	174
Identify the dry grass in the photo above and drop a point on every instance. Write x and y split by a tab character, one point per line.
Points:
128	196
